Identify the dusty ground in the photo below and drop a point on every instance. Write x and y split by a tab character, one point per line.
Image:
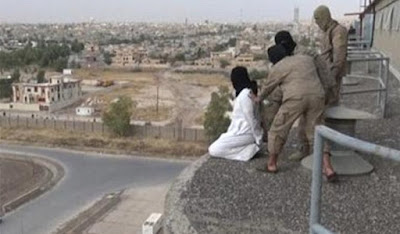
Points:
192	93
179	95
18	177
99	143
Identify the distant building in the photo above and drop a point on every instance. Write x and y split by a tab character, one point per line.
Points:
57	94
129	57
203	62
244	60
296	17
85	111
216	57
381	24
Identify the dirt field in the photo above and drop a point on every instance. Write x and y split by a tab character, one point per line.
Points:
179	95
18	177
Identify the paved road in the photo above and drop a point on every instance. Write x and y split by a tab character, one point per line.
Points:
88	176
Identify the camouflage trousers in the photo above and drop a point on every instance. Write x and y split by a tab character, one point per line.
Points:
309	109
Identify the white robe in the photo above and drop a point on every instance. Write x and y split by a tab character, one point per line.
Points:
244	135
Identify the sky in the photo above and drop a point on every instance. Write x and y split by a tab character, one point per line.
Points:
66	11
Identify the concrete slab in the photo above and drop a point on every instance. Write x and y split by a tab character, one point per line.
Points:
344	163
347	81
345	113
135	207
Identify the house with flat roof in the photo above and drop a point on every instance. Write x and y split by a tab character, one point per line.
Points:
58	93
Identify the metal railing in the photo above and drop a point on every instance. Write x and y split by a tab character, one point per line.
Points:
358	44
322	133
381	76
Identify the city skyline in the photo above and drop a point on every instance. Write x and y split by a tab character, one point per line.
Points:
64	11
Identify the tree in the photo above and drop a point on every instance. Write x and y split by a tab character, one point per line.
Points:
107	58
258	74
223	63
60	64
15	76
40	76
232	42
216	121
77	46
180	57
118	116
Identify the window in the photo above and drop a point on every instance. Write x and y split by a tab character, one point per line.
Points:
36	89
28	89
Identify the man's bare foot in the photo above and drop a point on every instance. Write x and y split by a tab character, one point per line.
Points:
271	165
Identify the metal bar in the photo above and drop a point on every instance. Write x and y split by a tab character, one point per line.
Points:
386	79
322	132
357	144
362	91
358	42
363	77
365	52
352	59
316	181
317	228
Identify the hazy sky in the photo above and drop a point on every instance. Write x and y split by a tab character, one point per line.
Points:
34	11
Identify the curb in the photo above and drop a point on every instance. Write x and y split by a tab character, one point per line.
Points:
175	221
88	217
54	171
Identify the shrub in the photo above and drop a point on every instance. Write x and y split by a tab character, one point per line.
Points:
118	116
258	74
216	121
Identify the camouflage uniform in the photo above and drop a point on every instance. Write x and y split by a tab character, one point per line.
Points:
270	108
331	65
303	96
334	53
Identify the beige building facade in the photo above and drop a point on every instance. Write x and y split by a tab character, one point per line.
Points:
57	94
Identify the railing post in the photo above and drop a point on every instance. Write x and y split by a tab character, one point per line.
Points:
316	180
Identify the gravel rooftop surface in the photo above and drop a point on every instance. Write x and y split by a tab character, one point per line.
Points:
233	197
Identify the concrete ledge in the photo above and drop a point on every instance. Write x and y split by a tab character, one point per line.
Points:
86	218
175	220
54	173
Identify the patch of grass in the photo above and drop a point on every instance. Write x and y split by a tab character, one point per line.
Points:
204	80
96	142
120	75
150	113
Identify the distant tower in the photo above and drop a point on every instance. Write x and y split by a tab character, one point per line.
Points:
241	15
296	18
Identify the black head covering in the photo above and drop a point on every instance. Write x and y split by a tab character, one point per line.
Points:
276	53
285	38
254	87
240	79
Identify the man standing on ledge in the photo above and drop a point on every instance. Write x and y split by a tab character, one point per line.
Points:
333	49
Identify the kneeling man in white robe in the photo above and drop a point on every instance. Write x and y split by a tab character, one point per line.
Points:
244	135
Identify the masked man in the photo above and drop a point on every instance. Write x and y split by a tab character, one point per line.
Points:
333	50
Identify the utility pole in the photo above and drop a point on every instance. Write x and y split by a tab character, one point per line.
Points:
158	90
